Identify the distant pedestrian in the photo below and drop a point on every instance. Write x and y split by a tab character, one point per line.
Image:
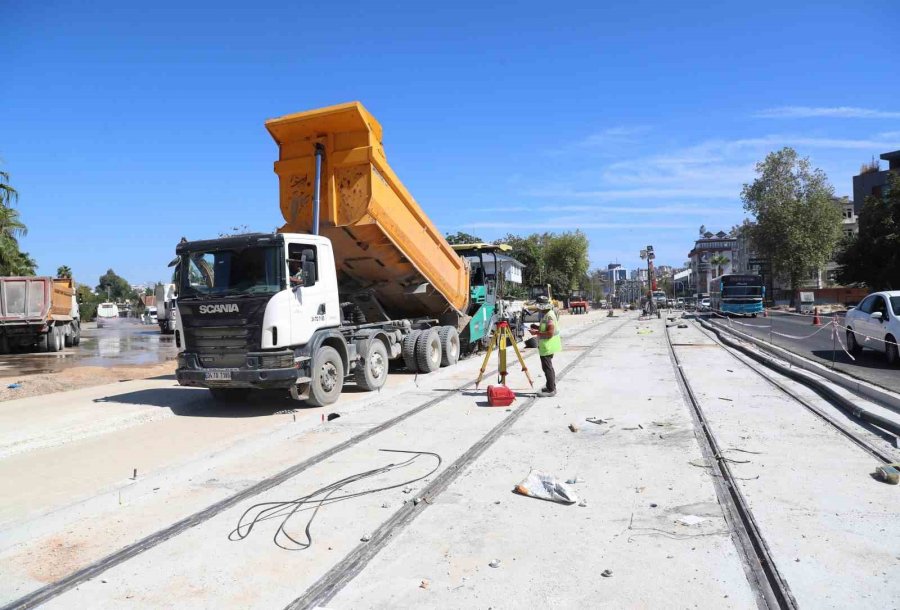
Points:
549	343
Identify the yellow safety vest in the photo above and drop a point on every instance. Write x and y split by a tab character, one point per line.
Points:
548	347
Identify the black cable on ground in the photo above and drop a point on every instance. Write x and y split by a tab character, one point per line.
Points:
264	511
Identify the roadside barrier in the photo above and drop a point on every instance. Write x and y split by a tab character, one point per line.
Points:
833	326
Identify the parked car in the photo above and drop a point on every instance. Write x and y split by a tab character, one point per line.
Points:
875	324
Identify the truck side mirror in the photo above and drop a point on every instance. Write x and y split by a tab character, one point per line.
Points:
309	273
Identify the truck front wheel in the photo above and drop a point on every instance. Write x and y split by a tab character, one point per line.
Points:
69	335
371	373
327	377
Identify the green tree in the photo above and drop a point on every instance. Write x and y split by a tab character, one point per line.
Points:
873	256
115	286
64	271
87	302
566	261
560	260
530	252
797	224
12	260
461	237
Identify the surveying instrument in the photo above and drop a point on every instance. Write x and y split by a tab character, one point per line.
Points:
501	396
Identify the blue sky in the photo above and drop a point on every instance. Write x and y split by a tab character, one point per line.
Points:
128	125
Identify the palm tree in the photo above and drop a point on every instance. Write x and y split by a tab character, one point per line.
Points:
718	261
64	271
8	195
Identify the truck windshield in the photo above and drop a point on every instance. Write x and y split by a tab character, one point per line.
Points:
251	270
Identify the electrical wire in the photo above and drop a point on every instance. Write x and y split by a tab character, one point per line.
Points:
263	511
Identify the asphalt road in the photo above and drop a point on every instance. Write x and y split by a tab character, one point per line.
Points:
869	366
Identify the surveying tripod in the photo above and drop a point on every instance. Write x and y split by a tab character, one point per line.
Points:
499	338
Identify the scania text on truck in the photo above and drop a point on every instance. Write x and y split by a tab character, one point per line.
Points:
357	277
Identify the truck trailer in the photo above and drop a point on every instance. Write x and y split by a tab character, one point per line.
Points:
38	313
357	277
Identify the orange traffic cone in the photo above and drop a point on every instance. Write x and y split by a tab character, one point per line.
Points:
816	320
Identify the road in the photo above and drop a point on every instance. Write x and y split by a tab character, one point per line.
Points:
145	483
869	366
127	343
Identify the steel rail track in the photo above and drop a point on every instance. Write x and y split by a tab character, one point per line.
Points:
860	442
331	583
770	586
54	589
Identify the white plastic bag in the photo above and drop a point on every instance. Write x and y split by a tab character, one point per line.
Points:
546	487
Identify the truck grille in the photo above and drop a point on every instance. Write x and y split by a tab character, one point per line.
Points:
222	346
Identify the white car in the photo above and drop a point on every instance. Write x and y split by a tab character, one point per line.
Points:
875	323
705	304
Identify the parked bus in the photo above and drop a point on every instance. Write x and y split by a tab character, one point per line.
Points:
733	294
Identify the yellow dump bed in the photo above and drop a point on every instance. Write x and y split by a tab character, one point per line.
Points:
382	239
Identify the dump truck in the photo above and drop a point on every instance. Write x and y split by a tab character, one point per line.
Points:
165	308
38	313
357	277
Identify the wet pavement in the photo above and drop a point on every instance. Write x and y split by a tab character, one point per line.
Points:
123	344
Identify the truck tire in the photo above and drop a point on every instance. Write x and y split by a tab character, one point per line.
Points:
43	342
54	339
409	351
371	373
449	345
76	337
70	335
327	377
229	394
428	351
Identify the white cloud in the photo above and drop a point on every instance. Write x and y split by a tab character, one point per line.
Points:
616	136
841	112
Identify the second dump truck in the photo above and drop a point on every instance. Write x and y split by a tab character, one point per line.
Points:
357	277
38	313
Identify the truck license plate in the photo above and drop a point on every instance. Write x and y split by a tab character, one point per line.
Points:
218	375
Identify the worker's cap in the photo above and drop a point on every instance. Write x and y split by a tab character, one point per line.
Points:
543	302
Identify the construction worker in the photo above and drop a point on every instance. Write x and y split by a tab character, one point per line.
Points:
549	343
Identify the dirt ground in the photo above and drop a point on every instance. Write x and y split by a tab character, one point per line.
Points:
79	377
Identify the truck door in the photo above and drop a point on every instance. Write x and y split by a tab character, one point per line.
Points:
314	303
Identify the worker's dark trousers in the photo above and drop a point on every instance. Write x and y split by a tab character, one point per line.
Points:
549	373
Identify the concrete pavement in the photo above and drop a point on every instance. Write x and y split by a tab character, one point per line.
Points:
651	517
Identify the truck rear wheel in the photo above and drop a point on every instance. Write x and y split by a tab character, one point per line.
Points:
409	351
54	339
428	351
371	373
449	345
327	377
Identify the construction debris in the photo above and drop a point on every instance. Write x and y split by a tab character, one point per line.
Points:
573	427
889	473
546	487
495	563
